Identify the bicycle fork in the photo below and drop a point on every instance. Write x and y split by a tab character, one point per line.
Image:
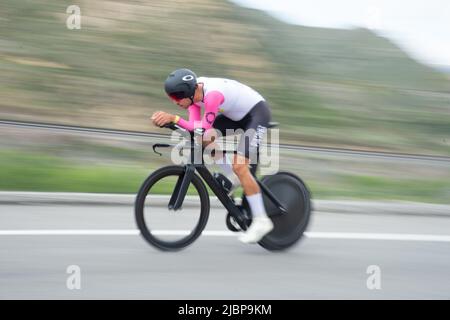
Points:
181	187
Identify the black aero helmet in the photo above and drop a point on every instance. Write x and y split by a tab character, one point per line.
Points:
180	84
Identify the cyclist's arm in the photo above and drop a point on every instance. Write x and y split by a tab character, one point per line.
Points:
194	115
212	101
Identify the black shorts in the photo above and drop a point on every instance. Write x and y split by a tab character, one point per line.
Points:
254	124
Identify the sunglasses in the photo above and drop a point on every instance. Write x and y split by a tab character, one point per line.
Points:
177	96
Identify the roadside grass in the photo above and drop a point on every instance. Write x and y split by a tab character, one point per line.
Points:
23	171
383	188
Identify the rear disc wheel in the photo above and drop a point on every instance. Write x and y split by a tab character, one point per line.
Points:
295	197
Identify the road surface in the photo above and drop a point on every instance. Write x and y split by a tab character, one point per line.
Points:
39	242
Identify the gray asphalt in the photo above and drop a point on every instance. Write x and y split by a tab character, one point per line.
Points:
217	267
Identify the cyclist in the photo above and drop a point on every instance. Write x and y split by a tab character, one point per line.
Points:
226	104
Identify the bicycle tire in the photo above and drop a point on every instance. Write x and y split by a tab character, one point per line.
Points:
140	203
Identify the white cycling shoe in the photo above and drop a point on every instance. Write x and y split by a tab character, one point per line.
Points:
258	229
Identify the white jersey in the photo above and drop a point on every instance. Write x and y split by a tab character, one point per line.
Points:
239	99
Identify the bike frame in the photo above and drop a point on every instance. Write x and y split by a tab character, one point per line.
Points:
182	185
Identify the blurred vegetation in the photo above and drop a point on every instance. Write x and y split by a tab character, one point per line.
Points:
41	172
28	169
326	87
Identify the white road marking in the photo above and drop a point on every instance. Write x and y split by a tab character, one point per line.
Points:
219	233
68	232
378	236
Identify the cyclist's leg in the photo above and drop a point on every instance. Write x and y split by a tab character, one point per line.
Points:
256	127
222	125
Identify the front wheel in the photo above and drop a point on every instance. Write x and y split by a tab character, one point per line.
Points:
295	197
167	229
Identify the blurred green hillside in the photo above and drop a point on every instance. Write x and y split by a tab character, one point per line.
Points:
326	87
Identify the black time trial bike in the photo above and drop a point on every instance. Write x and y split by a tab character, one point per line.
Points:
173	222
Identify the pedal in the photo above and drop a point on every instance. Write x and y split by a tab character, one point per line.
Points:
232	225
